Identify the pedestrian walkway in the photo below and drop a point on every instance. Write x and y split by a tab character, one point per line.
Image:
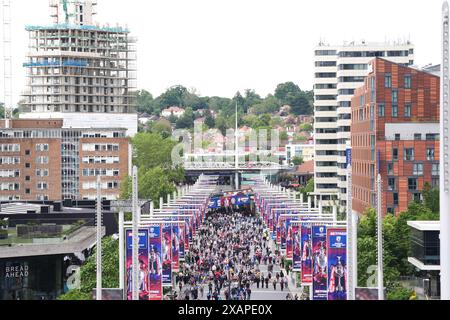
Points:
229	255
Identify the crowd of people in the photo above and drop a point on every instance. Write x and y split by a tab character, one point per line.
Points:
225	262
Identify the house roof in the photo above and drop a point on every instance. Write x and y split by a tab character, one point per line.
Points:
306	168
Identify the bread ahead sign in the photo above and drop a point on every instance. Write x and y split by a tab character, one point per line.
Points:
16	271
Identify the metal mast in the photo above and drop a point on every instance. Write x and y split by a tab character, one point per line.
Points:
236	143
99	221
350	244
445	158
7	61
380	239
135	235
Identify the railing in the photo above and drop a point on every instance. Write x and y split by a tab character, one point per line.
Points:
263	165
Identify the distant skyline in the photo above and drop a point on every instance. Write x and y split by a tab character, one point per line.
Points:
220	47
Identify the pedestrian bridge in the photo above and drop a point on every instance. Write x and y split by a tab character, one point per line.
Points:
229	166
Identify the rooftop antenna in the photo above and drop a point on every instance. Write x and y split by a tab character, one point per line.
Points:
7	62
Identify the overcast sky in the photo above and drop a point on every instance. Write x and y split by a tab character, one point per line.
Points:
222	46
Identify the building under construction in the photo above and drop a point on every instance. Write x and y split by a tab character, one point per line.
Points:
80	72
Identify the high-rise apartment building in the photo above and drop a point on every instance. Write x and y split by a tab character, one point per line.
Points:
80	72
395	133
339	70
40	160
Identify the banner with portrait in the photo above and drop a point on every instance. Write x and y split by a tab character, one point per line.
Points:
320	263
155	262
337	264
175	247
307	255
144	287
167	255
296	249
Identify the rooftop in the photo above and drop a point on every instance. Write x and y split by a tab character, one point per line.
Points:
425	225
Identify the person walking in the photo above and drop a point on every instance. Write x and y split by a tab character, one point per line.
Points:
274	282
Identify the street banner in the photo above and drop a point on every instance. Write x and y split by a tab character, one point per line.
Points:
320	263
284	225
175	248
290	243
306	243
167	255
144	287
155	265
296	249
214	203
191	231
337	264
182	230
187	236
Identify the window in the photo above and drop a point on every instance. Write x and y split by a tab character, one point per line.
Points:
409	154
412	184
27	152
394	96
397	137
435	183
430	154
395	154
42	173
417	136
391	184
394	111
390	169
391	211
42	147
435	169
417	197
418	169
42	160
387	80
381	110
432	137
408	81
395	196
407	110
42	186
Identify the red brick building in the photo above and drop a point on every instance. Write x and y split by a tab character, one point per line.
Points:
395	133
40	160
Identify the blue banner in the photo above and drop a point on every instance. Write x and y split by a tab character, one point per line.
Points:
337	264
320	263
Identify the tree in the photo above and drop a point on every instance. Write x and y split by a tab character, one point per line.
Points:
309	188
306	127
145	103
174	96
161	127
155	183
152	150
186	121
431	197
110	272
290	94
297	161
269	105
209	120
